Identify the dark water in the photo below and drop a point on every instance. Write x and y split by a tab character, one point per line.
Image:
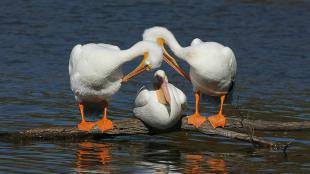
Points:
271	43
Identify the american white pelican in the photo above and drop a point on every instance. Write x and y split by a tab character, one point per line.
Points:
160	107
212	68
96	74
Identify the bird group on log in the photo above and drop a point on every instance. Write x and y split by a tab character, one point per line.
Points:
96	74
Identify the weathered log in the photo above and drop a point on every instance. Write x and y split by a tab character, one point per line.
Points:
267	125
133	126
249	137
130	126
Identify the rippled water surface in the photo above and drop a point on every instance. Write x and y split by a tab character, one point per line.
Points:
270	40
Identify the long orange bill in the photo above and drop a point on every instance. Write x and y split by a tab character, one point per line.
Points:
138	70
164	87
171	61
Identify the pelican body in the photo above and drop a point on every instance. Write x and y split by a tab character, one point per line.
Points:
92	79
160	107
212	68
96	74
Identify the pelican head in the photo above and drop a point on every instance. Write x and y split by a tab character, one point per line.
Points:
162	36
161	83
152	58
161	76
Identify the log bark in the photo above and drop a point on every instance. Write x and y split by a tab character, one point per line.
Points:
268	125
133	126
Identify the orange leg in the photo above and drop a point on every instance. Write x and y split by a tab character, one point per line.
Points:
196	119
84	125
105	124
219	119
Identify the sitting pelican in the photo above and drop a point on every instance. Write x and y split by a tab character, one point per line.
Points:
96	74
212	69
162	106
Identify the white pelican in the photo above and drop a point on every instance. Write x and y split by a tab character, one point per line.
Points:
96	74
162	106
212	68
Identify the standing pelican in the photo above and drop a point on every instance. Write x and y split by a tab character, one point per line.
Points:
96	74
162	106
212	69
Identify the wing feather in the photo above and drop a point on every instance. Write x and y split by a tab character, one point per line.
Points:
142	97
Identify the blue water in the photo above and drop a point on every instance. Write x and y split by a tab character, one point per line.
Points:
270	39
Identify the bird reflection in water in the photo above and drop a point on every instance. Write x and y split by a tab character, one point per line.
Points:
217	166
93	156
196	164
97	158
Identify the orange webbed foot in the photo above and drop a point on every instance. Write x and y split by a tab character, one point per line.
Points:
104	124
217	120
86	126
196	119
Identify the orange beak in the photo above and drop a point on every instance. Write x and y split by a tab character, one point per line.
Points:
162	83
171	61
164	87
138	70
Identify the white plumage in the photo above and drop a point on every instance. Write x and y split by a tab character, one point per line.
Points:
150	109
96	74
212	67
95	69
93	77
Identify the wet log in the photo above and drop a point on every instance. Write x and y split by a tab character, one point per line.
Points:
130	126
224	132
133	126
268	125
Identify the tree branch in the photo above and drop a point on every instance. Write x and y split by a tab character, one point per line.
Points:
133	126
268	125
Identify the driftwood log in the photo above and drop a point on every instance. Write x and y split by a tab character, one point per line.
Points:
133	126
